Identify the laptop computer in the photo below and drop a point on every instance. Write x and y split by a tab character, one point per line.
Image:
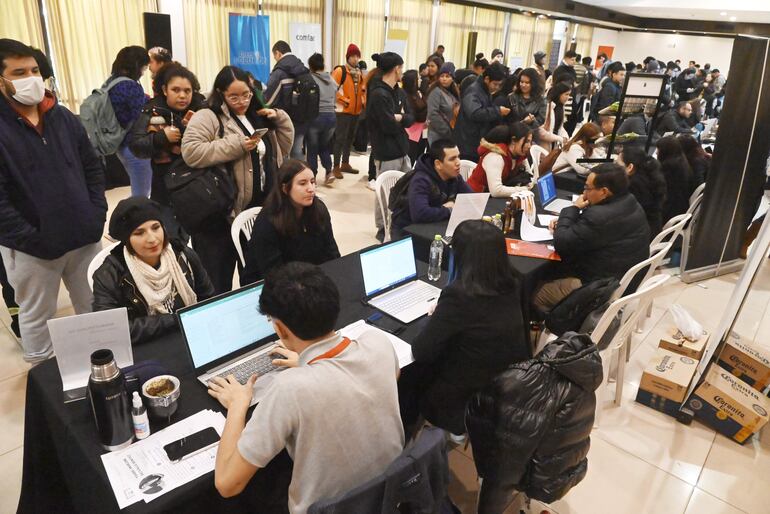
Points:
468	206
391	284
546	187
227	335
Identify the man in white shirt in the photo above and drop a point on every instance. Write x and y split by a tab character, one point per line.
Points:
336	411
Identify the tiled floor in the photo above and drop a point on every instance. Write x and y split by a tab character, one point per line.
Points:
641	461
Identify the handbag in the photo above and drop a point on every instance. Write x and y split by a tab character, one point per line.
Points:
198	194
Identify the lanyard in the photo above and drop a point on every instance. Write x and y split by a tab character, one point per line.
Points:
333	352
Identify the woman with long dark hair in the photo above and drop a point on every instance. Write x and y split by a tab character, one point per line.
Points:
252	155
527	101
503	168
419	108
553	131
698	158
581	146
294	225
434	64
463	344
646	183
678	175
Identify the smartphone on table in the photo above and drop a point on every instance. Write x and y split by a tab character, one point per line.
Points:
192	444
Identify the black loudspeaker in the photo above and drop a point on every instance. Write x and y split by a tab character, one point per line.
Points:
470	56
157	30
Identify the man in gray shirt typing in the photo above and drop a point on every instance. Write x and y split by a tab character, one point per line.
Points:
336	411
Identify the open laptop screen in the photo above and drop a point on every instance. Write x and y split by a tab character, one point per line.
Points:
388	265
225	325
547	189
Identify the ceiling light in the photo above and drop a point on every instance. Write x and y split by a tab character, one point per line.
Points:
723	13
733	18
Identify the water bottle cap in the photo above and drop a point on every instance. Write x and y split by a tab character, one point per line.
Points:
498	215
437	237
137	401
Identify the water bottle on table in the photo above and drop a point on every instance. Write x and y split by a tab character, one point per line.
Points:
434	258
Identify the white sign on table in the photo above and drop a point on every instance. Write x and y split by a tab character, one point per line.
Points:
305	40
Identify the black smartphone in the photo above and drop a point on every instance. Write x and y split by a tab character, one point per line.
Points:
385	323
191	444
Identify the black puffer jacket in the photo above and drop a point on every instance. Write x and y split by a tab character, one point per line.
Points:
530	427
478	115
603	240
114	287
388	137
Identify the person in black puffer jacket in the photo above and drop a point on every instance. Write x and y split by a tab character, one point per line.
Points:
148	273
530	428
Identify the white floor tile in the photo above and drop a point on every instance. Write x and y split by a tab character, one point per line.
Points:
11	360
10	480
12	396
704	503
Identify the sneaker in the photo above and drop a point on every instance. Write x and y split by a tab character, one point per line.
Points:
371	184
329	179
346	168
337	173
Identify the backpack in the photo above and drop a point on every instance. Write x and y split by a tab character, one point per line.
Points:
398	199
305	97
569	314
198	194
98	118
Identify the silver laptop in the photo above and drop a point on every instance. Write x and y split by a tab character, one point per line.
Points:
546	187
468	206
228	335
391	284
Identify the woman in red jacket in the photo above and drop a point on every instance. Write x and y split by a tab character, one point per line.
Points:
503	168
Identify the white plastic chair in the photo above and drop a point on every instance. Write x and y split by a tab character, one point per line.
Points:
537	152
466	168
382	187
672	229
647	266
243	224
629	308
697	193
97	261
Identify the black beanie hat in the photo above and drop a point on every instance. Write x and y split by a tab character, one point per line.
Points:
130	213
386	61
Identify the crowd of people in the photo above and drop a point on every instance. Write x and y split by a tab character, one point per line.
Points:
258	149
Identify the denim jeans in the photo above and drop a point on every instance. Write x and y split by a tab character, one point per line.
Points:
318	141
299	139
139	171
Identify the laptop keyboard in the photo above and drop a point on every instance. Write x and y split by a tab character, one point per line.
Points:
257	366
407	299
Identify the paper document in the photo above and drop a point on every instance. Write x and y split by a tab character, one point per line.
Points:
468	206
143	471
402	348
75	338
545	219
529	232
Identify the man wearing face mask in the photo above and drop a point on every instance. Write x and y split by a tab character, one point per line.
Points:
52	205
478	113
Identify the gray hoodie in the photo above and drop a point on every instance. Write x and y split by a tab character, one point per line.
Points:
328	91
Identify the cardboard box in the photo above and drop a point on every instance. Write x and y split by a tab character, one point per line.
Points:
729	405
665	381
675	342
749	363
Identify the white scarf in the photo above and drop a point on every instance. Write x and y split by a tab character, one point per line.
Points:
159	286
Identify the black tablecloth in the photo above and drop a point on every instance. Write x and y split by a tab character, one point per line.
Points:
62	469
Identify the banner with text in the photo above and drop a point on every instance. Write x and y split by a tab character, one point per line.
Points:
250	44
305	40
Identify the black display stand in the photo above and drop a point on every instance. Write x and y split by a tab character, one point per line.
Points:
639	90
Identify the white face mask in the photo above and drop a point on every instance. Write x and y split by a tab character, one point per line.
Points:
29	90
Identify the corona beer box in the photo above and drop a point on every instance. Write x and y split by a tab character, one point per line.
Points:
729	405
665	381
749	363
675	342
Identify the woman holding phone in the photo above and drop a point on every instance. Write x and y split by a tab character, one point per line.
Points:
252	145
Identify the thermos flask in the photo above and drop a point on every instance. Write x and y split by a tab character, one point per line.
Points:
110	402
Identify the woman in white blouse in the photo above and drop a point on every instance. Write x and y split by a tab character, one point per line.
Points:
581	146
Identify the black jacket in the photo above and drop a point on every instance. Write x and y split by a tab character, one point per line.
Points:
679	186
607	95
651	197
531	426
268	249
565	73
467	341
388	137
277	92
478	115
115	287
51	185
603	240
672	122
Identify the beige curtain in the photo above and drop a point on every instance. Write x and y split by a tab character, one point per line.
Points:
414	16
585	35
85	38
543	39
489	24
361	23
20	20
520	33
207	35
283	12
454	23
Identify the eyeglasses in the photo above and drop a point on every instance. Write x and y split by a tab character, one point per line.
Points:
235	99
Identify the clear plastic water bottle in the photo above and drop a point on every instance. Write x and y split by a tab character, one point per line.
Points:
498	221
434	259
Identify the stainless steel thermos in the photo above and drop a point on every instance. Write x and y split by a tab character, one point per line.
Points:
110	402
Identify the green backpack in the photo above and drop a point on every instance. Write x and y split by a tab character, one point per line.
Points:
98	117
